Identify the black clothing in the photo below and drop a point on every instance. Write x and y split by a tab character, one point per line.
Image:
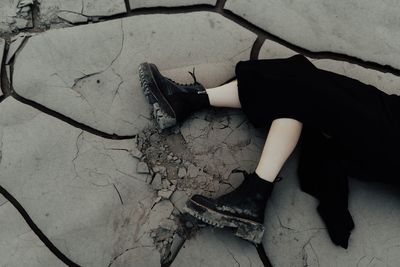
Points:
349	128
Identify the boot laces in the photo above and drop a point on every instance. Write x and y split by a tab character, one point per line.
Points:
186	84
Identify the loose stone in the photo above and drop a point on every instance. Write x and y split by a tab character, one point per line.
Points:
136	153
156	183
142	167
164	193
181	172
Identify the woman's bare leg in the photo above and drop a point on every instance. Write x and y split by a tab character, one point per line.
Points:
282	138
225	95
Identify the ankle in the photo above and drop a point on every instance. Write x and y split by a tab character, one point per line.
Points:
266	177
260	183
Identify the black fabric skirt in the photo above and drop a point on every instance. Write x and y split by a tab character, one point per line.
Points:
349	128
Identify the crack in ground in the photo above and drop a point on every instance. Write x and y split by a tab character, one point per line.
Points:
127	6
304	252
112	61
58	115
279	219
82	6
118	86
233	256
70	121
120	198
263	255
220	4
255	50
36	229
261	33
35	9
3	75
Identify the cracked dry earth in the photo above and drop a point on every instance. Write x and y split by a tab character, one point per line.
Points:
83	162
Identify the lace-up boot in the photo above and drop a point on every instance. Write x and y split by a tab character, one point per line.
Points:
242	209
172	102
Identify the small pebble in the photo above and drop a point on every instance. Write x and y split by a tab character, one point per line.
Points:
165	184
181	172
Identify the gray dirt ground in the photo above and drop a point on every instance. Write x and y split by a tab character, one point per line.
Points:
81	153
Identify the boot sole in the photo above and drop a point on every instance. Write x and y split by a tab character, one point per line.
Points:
162	110
246	229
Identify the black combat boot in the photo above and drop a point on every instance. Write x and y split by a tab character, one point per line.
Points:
243	208
172	102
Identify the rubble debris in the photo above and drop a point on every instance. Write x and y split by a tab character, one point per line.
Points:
15	15
160	169
179	173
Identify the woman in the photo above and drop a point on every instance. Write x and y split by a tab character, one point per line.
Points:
345	128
